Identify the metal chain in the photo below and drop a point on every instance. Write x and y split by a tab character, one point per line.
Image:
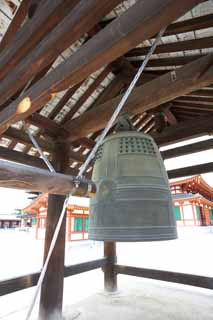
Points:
84	166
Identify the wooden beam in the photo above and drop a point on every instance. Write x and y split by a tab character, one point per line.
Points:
50	127
201	93
138	23
86	142
111	91
166	62
62	102
169	276
23	177
191	171
76	23
194	75
185	130
77	156
86	94
207	101
14	25
187	149
190	106
48	15
20	157
198	23
194	44
29	280
45	144
170	117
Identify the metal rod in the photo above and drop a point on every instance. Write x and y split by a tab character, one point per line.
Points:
36	145
121	103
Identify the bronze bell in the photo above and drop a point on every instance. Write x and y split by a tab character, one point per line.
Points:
133	200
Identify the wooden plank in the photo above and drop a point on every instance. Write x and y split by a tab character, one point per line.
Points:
76	23
185	130
169	276
194	44
23	282
14	25
195	75
24	177
191	171
135	25
48	15
187	149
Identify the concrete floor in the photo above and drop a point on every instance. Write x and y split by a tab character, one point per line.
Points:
144	299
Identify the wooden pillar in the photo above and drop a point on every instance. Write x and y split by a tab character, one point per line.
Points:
110	276
52	289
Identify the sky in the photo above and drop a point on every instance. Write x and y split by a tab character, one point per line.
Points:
17	199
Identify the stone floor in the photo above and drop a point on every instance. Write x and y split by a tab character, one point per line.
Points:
144	299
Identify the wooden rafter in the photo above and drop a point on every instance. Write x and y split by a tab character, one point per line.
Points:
185	130
187	149
135	25
20	157
166	62
48	15
14	25
74	25
190	171
193	76
86	94
194	44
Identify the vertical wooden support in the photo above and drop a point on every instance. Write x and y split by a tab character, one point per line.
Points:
110	276
52	289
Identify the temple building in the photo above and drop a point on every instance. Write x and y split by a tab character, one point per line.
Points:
77	218
193	202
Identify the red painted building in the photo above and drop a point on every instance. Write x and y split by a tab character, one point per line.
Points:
193	202
77	219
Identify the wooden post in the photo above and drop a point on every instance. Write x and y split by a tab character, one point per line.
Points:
110	276
52	289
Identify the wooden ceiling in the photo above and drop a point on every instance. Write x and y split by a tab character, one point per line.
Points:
65	64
